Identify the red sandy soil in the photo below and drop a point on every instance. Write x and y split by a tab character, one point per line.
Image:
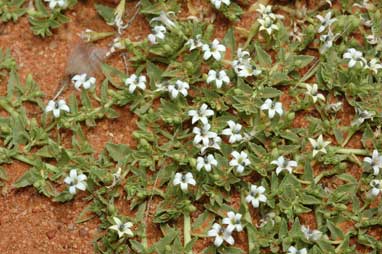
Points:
31	223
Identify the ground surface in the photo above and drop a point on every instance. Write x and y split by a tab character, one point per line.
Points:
48	227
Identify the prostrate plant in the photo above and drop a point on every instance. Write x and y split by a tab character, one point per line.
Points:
242	133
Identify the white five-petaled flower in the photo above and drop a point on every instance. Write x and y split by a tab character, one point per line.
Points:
233	131
216	50
122	228
376	187
164	19
243	66
203	135
361	116
272	108
245	70
318	145
284	164
201	115
375	162
158	33
313	92
294	250
75	181
180	87
56	3
195	43
219	78
239	161
256	195
327	41
56	107
218	3
83	80
212	143
184	180
233	222
266	11
267	24
311	235
326	21
374	65
134	81
354	56
206	162
220	235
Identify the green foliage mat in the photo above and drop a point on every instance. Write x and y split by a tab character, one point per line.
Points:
272	119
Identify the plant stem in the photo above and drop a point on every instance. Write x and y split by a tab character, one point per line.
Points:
187	230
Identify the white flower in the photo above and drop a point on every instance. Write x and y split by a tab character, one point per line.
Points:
284	164
272	108
218	77
158	33
56	107
318	145
218	3
203	135
267	24
377	187
206	162
327	40
239	160
179	87
82	80
164	19
245	70
184	180
354	57
373	39
56	3
365	4
201	115
313	92
75	181
375	162
233	222
134	81
195	43
220	235
311	235
122	228
295	33
361	116
325	21
216	50
374	65
233	132
212	143
334	107
266	11
294	250
242	55
256	196
117	44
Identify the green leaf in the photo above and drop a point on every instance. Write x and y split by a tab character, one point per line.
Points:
118	152
105	12
262	56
